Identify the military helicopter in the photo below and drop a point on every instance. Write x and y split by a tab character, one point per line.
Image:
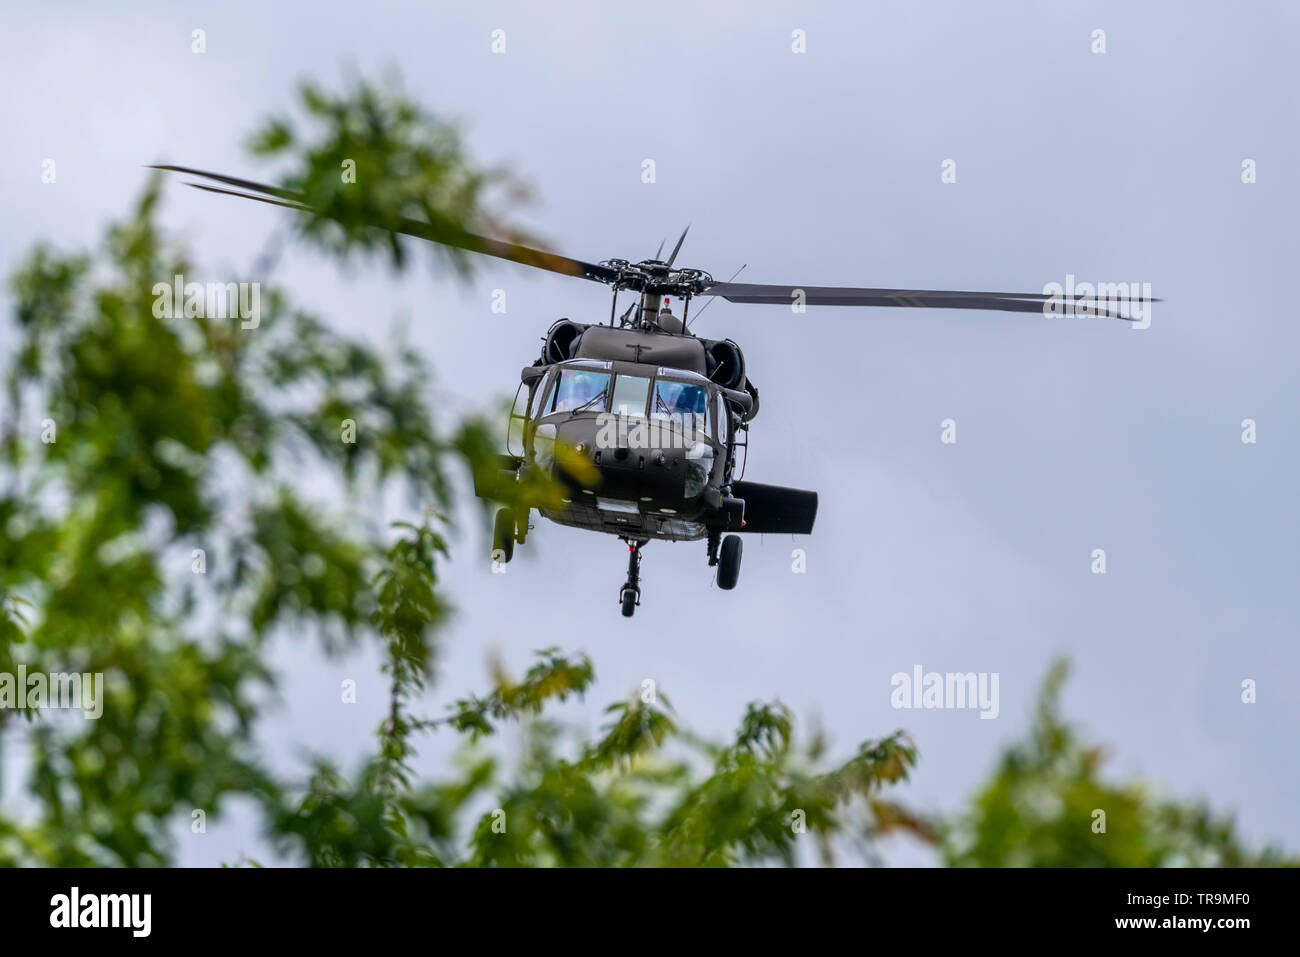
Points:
656	414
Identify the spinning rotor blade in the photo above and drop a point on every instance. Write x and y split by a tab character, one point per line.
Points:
678	247
449	235
261	199
911	298
445	235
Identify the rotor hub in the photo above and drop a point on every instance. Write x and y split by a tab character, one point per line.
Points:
651	276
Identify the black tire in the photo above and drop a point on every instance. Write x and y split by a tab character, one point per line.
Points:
629	602
729	562
503	536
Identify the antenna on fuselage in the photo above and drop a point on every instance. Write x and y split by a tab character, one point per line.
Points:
711	301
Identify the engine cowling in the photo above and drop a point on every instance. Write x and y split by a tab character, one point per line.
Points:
725	363
753	395
562	341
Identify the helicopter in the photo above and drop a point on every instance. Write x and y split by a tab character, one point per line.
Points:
655	414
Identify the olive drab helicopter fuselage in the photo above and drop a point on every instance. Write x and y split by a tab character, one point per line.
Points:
638	419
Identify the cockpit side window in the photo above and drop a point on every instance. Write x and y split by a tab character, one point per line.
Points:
545	391
686	403
579	390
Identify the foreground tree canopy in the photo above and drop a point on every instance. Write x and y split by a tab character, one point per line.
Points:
151	531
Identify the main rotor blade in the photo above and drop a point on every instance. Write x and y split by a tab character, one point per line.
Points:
261	199
444	235
908	298
678	247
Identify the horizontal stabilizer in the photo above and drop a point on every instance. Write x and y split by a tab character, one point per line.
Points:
506	467
773	509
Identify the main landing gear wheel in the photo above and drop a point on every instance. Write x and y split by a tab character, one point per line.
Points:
729	562
629	602
503	536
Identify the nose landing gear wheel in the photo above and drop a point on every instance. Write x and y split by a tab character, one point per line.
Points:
729	562
503	536
630	595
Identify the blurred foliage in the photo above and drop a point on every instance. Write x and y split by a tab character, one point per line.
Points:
406	164
176	494
625	798
1040	809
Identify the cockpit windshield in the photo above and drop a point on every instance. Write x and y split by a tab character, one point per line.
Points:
580	390
630	392
682	402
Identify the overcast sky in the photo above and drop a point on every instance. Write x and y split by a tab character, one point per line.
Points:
820	167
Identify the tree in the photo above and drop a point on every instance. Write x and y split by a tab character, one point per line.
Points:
1048	805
